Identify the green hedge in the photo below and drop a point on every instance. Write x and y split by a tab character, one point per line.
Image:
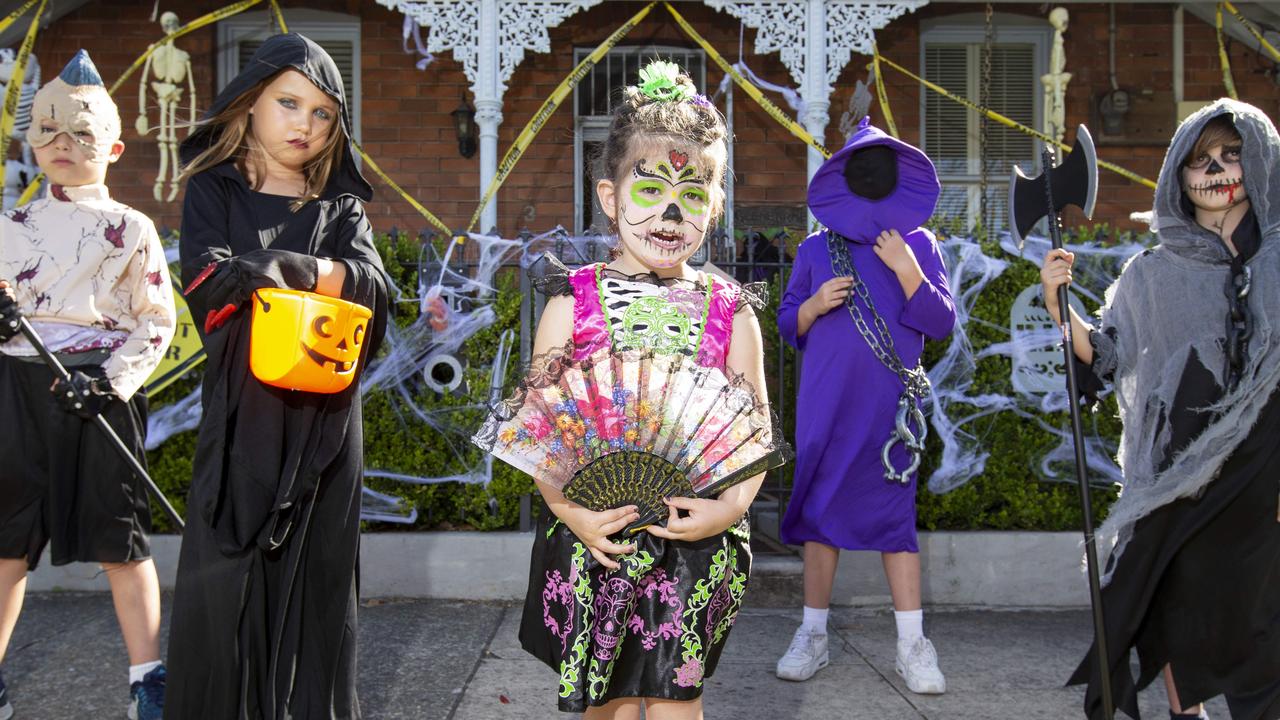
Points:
1008	495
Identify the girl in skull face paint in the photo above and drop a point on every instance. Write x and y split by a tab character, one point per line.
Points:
1187	341
644	623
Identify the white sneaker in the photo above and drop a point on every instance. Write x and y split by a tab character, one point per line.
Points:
806	656
919	668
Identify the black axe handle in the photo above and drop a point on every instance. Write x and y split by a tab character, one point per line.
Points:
1050	178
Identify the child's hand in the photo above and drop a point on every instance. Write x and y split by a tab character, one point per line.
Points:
896	253
594	528
829	296
9	314
706	517
1055	272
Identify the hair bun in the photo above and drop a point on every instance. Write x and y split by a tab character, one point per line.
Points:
662	81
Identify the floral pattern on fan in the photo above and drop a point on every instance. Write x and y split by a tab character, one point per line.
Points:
633	427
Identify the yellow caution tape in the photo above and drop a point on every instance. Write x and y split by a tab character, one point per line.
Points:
549	106
1222	58
1262	42
751	90
407	197
1013	124
12	17
14	92
881	94
31	190
279	16
213	17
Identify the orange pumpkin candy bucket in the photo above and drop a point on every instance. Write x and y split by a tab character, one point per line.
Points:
305	341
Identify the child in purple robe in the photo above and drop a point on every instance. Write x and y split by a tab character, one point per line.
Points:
859	380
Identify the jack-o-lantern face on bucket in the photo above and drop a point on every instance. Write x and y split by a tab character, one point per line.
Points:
305	341
328	346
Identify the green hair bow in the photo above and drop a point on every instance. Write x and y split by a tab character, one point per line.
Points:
659	80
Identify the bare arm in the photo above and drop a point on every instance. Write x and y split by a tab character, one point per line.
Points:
330	274
1055	273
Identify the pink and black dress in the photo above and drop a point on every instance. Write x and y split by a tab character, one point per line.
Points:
655	627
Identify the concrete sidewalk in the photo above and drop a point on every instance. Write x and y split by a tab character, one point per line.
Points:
434	659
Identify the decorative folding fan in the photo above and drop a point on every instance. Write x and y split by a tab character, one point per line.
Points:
633	428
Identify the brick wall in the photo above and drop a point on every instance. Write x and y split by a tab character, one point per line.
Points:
408	130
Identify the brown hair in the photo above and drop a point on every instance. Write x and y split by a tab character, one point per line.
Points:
639	121
235	141
1220	130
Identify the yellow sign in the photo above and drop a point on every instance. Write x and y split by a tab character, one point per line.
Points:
184	353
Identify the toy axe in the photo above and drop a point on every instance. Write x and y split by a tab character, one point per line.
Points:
1074	182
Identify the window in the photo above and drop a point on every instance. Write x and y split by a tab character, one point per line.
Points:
951	56
594	100
338	34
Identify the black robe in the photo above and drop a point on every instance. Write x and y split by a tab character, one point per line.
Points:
264	613
1198	586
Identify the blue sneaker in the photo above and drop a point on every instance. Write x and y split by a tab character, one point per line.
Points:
146	698
6	710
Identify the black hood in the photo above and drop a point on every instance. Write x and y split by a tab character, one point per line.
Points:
279	52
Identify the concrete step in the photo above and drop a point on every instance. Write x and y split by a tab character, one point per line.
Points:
996	569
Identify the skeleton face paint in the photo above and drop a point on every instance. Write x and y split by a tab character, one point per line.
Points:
1214	181
76	103
663	209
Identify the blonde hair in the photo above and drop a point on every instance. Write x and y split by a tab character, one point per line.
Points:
236	142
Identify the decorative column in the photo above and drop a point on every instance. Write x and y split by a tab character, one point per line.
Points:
489	39
488	93
815	39
816	90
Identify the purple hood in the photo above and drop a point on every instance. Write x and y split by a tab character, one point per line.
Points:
906	208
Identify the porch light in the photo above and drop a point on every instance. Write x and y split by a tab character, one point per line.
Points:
464	123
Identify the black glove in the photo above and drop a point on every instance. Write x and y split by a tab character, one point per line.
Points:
9	316
237	277
84	396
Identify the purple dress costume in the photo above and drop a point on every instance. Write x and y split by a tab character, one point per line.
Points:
655	627
848	399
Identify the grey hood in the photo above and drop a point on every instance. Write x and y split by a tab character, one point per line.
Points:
1169	308
1261	159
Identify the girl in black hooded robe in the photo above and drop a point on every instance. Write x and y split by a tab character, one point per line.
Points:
264	613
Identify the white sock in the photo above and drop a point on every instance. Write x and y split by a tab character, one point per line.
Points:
815	620
910	626
137	672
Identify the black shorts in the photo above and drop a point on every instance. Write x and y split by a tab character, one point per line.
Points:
61	480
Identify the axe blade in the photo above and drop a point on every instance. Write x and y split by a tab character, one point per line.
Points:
1075	182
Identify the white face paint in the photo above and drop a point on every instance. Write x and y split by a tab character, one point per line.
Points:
1214	180
85	113
663	208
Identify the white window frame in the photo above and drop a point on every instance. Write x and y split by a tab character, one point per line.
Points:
595	128
319	25
969	29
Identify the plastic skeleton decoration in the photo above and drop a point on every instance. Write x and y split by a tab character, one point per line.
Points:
19	172
1055	81
169	67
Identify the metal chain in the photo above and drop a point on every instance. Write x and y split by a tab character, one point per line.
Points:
984	100
881	342
915	383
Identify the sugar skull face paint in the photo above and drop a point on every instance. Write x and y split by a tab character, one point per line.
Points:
663	208
1214	180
